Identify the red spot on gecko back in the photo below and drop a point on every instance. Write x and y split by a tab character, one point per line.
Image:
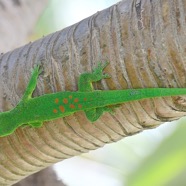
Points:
55	111
70	96
56	100
65	100
85	99
76	100
79	106
72	106
62	108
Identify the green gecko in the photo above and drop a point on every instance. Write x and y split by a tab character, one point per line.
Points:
34	111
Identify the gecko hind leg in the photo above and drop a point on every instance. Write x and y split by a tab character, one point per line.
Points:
94	114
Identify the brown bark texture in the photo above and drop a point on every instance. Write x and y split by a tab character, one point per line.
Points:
144	41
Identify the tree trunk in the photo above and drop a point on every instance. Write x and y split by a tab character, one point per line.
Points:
46	177
144	42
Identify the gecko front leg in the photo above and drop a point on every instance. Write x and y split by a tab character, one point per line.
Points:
29	91
11	120
32	83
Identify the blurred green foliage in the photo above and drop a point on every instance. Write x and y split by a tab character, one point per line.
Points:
166	165
46	23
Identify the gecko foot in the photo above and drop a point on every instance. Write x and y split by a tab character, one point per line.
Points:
98	71
36	70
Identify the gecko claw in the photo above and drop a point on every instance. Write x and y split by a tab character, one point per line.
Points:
37	69
106	76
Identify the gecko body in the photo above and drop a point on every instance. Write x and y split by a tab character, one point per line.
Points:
34	111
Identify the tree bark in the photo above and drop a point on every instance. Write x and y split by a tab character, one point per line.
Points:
143	40
46	177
